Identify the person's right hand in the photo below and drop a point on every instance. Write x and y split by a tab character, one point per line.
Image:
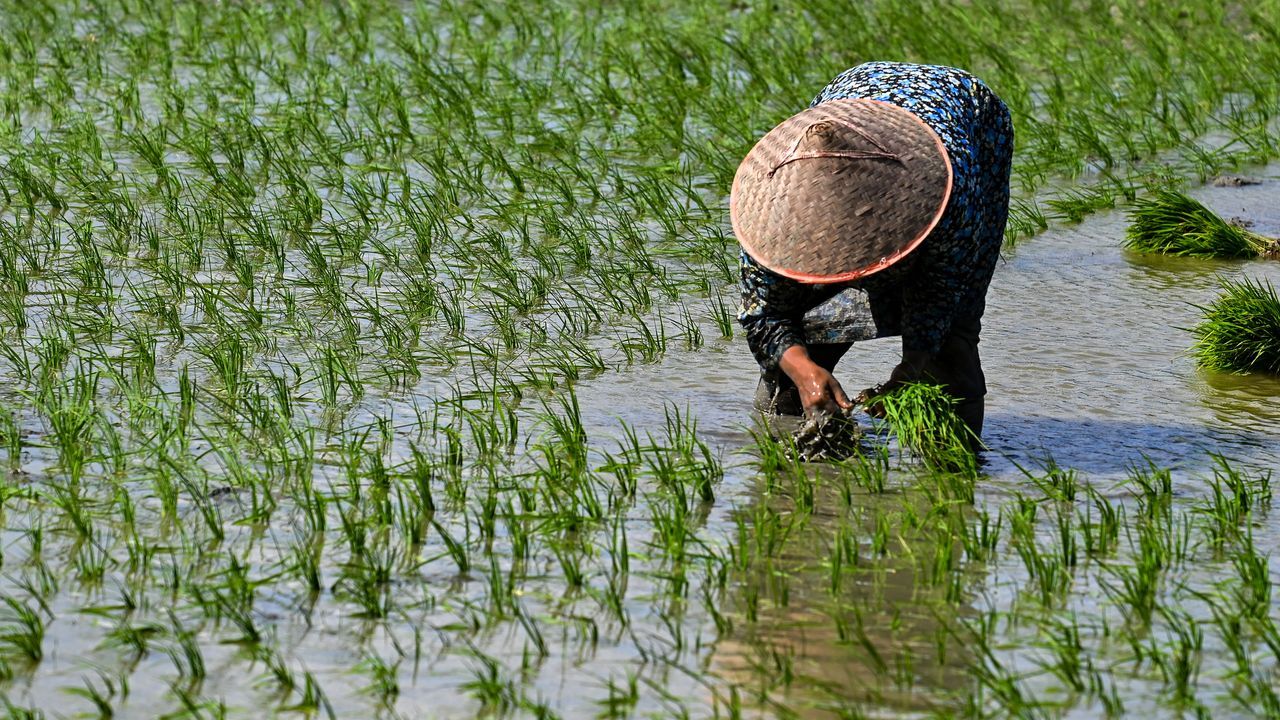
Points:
820	392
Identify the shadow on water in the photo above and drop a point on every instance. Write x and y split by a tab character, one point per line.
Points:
1110	447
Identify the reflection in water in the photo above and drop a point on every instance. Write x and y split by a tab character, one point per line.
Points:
1243	401
1160	274
850	605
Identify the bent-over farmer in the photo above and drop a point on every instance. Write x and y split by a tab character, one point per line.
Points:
878	211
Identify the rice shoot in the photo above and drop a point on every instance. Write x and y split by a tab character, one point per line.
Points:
1241	329
924	420
1172	223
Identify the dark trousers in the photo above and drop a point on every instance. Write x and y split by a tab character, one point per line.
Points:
956	367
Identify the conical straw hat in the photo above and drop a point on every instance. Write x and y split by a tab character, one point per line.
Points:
840	191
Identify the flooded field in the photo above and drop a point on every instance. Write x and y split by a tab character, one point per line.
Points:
377	359
1086	355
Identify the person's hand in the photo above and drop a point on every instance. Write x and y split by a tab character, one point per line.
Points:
869	399
820	392
911	369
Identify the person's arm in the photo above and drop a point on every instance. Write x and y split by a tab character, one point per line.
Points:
772	306
771	313
947	280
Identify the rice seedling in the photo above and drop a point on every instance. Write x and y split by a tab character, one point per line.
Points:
100	698
923	419
1181	669
1048	568
1070	664
1173	223
1233	501
1240	331
1101	536
22	636
1075	204
868	469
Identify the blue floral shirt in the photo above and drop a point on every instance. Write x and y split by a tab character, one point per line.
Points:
945	279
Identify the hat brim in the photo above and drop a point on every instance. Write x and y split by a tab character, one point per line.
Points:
838	217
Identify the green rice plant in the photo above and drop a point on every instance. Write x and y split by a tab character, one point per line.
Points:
311	698
384	683
998	686
69	408
1057	483
1247	594
11	439
1101	536
1153	486
1048	567
923	418
868	470
454	548
1240	332
778	458
1071	664
1076	204
23	631
982	537
101	699
1025	219
20	713
1231	505
723	315
1172	223
1181	667
687	460
487	685
621	699
689	330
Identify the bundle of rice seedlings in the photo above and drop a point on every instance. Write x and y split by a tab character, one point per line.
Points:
829	436
924	420
1241	330
1172	223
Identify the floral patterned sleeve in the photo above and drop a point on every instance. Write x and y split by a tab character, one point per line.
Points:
772	308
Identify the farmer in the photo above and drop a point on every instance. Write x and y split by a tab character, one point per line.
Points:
878	211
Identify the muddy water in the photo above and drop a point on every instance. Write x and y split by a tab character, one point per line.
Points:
1086	352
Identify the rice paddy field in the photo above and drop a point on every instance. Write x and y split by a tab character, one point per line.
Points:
377	359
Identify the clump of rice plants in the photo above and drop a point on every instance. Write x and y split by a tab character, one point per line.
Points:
924	420
829	436
1172	223
1241	329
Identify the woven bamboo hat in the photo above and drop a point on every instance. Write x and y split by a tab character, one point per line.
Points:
840	191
